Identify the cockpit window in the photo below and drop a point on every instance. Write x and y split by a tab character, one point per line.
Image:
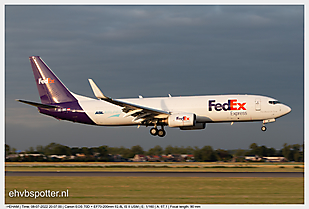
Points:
274	102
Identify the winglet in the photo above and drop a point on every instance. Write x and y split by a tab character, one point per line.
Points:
97	92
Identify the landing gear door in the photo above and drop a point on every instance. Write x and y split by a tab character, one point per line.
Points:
258	104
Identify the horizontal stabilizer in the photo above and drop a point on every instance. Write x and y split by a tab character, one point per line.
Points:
37	104
97	92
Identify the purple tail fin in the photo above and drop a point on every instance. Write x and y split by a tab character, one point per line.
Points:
51	89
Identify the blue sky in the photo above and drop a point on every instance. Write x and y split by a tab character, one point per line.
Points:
155	51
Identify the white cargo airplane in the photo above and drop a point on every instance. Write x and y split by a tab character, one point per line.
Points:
186	113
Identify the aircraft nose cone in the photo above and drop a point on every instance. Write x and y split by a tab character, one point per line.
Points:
287	109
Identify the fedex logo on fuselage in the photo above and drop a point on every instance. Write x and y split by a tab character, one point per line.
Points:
45	81
231	104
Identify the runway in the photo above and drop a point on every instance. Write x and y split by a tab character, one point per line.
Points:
157	174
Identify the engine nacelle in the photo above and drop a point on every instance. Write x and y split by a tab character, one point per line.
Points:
195	127
181	120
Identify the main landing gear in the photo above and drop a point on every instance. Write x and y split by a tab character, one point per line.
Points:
155	132
263	128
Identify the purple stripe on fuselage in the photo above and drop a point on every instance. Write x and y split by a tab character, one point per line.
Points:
68	111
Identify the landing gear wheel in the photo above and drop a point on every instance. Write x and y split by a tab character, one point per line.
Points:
154	131
161	133
263	128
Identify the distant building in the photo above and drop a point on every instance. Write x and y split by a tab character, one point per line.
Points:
267	159
164	158
82	155
58	156
25	157
253	158
12	156
175	158
188	158
275	159
153	158
139	158
31	155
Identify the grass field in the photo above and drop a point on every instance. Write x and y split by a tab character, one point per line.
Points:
159	190
144	190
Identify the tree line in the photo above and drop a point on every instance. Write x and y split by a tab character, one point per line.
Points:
205	154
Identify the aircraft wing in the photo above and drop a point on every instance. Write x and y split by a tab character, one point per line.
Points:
140	113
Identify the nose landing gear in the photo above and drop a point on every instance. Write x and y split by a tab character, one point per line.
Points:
267	121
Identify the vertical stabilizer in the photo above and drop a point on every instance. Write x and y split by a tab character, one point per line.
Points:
51	89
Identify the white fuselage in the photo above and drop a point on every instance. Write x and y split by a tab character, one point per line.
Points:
208	109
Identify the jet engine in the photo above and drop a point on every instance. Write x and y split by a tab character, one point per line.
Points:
181	120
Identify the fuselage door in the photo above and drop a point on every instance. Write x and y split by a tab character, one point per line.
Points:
258	104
